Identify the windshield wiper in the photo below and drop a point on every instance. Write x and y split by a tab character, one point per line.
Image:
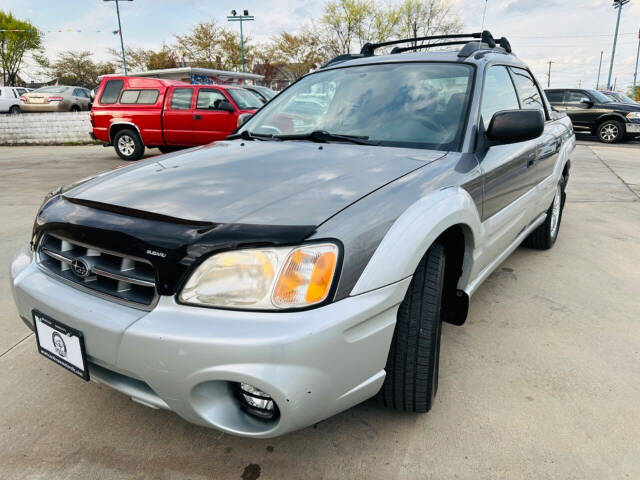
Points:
323	136
247	135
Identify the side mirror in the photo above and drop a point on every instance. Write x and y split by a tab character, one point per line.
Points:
242	118
92	95
585	101
512	126
224	105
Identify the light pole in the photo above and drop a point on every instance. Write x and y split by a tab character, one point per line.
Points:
245	17
635	75
549	74
616	4
599	67
124	60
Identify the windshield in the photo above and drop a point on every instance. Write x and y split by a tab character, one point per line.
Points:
600	97
419	105
266	91
50	90
244	99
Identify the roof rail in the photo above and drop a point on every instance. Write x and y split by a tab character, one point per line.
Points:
472	42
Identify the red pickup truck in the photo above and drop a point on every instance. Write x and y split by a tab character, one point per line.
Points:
133	112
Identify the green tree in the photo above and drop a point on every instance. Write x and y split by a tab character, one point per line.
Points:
210	46
75	68
346	25
300	52
140	59
634	95
14	45
421	18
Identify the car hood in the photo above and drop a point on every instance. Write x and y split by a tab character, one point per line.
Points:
622	107
253	182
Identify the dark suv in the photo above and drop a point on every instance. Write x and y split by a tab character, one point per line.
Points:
594	111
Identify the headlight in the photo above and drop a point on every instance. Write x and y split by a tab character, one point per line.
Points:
633	116
264	278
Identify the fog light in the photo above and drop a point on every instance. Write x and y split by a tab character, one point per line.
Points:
255	402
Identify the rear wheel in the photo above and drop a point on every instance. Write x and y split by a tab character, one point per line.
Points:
75	108
14	110
412	365
610	131
128	145
543	237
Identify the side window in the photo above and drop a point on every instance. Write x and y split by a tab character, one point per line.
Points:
77	92
148	97
207	99
529	94
555	96
144	97
575	97
111	92
498	94
22	91
129	96
181	99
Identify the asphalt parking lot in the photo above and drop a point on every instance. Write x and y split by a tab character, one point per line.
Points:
543	381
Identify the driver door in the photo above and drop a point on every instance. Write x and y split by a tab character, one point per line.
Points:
505	169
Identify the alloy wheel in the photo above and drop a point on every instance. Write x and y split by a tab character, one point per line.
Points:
126	145
608	132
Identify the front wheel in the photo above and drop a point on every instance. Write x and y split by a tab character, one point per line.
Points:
412	365
14	110
543	237
128	145
610	131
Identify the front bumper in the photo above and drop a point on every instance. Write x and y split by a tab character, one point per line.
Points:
313	363
632	127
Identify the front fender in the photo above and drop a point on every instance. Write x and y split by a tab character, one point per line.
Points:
410	236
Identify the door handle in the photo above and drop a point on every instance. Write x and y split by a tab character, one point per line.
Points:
197	117
531	159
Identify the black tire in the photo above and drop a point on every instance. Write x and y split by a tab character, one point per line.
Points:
168	149
128	145
14	110
411	382
74	108
545	236
610	131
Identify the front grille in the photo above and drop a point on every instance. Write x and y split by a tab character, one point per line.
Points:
104	273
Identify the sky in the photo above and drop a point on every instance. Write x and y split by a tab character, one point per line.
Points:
570	33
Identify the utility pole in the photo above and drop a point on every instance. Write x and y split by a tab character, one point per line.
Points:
616	4
549	74
599	68
245	17
579	83
124	60
635	75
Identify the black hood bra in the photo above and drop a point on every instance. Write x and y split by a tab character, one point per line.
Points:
149	236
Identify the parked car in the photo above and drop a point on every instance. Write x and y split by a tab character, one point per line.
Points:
133	112
55	98
10	99
263	93
266	282
620	98
594	112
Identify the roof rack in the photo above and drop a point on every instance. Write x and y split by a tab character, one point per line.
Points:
472	42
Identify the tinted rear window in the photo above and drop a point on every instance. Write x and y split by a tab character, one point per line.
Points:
111	91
